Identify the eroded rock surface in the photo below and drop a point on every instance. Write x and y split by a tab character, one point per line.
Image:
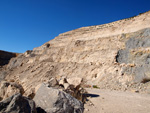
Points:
112	56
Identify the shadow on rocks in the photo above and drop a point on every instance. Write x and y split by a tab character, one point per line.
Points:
92	95
40	110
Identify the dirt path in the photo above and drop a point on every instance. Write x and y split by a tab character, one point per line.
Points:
106	101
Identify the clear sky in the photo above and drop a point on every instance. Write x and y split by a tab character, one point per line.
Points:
26	24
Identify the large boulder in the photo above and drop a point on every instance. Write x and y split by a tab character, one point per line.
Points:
17	104
55	101
8	89
72	86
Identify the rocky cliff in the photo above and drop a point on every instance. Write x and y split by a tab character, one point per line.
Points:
114	56
5	57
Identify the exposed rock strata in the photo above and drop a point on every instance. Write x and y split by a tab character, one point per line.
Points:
113	56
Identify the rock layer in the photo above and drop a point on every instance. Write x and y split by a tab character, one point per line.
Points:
114	56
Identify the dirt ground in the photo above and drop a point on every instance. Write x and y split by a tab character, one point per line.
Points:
107	101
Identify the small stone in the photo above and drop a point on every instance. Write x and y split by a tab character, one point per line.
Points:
91	104
52	82
62	81
76	81
86	109
136	91
66	85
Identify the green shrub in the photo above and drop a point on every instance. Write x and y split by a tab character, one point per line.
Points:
95	86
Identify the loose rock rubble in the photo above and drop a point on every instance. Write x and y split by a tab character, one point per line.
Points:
8	89
50	97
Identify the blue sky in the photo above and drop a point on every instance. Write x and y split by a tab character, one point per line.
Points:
26	24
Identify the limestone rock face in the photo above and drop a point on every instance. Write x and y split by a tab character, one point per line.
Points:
17	104
111	56
56	101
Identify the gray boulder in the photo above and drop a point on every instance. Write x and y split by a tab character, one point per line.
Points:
56	101
17	104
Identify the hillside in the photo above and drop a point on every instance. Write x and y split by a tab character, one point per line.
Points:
112	56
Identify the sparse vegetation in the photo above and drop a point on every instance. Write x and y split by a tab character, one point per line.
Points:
95	86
